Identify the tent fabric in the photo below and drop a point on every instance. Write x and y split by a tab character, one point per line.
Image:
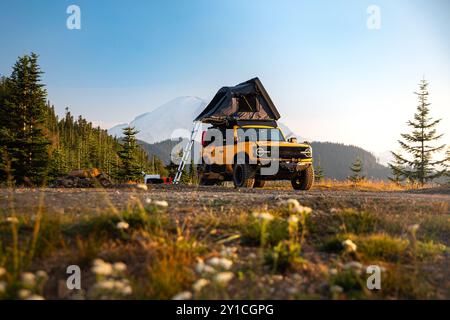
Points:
246	101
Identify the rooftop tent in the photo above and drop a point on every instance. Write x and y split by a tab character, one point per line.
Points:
246	101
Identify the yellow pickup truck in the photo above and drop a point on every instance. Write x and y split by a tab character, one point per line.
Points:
250	154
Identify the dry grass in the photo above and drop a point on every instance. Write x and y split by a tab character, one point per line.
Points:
364	185
228	244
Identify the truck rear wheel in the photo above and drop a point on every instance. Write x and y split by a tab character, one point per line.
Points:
304	179
243	176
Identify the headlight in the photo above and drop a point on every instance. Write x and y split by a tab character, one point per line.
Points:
307	152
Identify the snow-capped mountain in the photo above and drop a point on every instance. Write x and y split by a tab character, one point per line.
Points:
167	120
172	119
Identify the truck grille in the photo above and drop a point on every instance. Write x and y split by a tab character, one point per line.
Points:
287	153
294	153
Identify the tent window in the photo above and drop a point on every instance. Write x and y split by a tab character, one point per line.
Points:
248	103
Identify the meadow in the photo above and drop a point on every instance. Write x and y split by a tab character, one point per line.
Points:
189	242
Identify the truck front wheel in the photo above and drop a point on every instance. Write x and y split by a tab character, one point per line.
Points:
243	176
304	179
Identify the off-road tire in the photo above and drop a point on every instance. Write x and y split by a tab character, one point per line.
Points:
304	179
243	176
259	183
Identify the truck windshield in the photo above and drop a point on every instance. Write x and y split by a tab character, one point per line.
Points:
259	134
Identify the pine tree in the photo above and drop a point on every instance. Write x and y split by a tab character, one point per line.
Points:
420	167
23	116
318	171
130	169
356	168
447	165
57	164
397	169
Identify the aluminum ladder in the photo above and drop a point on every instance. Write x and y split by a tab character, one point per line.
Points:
187	152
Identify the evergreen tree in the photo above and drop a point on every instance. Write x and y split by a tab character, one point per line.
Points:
418	144
30	130
130	169
23	115
318	171
356	168
396	168
57	164
447	165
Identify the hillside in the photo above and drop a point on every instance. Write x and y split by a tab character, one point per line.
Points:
335	158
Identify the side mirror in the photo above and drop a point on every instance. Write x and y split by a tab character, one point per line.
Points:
292	140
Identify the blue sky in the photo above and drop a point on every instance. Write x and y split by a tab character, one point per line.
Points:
329	75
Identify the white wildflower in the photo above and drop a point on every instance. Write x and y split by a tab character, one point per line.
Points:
161	203
200	266
208	269
23	293
336	289
124	288
148	200
2	271
184	295
228	252
213	261
127	290
349	245
142	186
2	287
353	265
28	279
252	256
302	209
223	263
42	275
223	278
333	271
102	268
263	216
105	285
122	225
12	220
199	284
413	228
35	297
119	267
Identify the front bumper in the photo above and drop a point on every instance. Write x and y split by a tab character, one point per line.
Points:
287	169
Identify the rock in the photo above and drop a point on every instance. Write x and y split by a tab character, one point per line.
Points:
83	179
85	173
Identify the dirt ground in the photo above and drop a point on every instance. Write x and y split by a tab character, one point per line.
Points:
185	199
